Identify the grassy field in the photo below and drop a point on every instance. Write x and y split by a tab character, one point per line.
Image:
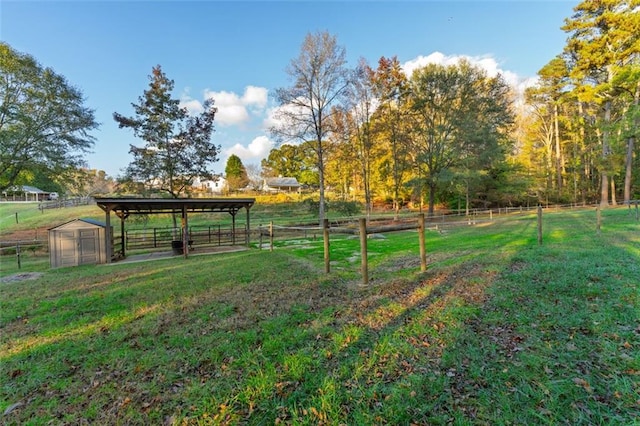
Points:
499	330
33	222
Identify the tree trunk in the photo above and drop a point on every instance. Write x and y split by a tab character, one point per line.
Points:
432	198
467	199
585	176
558	153
604	190
628	170
396	172
367	186
613	192
321	212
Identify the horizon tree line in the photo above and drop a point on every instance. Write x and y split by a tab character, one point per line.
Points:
445	135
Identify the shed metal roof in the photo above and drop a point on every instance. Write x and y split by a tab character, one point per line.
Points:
85	219
168	205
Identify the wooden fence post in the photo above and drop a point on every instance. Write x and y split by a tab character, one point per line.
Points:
421	238
18	255
363	251
539	224
325	236
271	236
598	219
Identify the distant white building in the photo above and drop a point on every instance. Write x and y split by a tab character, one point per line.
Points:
27	193
281	184
209	186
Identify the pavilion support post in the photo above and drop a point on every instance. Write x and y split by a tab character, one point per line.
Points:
248	230
185	232
122	236
233	228
107	235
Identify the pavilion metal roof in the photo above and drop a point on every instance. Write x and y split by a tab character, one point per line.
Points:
129	206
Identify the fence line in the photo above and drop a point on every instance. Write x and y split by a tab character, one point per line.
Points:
156	238
67	202
198	235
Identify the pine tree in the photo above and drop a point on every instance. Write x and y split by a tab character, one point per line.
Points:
604	40
177	147
236	173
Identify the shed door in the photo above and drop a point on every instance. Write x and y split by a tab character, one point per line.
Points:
88	242
68	248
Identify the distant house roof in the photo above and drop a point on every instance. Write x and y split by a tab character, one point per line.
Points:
282	182
25	188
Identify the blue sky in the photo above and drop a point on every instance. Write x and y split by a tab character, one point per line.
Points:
237	51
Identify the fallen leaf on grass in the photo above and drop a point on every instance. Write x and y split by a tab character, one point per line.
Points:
583	383
125	402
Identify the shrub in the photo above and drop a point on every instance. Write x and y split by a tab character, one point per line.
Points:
346	208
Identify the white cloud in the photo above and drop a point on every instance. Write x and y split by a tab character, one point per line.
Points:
278	116
257	149
193	106
233	109
255	96
487	63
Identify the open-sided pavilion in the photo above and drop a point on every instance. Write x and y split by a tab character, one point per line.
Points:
124	207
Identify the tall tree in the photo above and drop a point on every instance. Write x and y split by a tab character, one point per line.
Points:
547	95
631	131
292	161
236	173
344	166
361	105
178	146
604	39
390	84
319	79
461	116
44	124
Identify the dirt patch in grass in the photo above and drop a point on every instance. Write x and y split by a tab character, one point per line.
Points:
22	276
25	234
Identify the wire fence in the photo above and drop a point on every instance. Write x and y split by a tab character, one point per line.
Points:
264	235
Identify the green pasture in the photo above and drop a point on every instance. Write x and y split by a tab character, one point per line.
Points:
499	330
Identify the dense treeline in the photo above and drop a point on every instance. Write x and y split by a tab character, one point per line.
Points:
455	136
448	135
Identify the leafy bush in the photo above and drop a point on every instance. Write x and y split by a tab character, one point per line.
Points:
313	206
346	208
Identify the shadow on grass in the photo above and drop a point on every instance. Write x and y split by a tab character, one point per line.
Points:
508	332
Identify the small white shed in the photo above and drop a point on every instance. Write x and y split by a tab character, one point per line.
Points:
78	242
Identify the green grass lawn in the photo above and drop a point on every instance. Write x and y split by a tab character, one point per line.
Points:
499	330
30	217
